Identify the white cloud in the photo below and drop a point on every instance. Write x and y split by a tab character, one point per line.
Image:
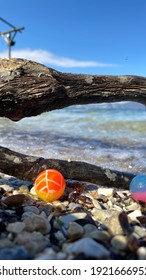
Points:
45	57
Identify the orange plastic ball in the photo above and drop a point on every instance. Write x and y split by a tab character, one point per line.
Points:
49	185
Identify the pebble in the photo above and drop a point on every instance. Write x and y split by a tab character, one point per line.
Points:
88	247
106	191
43	214
59	205
133	215
96	203
34	242
7	188
37	223
31	209
72	217
109	204
47	254
119	242
17	200
123	193
61	256
92	232
75	231
73	206
4	243
16	192
26	215
24	189
88	229
113	224
139	231
16	227
141	253
59	236
101	214
57	224
17	253
132	207
33	192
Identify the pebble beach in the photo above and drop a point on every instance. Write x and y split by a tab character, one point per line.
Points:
87	222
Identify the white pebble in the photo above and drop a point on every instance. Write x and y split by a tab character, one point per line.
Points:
106	191
133	215
141	252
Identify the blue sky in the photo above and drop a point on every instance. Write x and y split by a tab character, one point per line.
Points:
79	36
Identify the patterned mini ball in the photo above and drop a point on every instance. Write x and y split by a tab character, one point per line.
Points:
138	187
49	185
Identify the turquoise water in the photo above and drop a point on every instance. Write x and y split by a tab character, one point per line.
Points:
110	135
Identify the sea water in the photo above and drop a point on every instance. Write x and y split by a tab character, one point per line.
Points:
109	135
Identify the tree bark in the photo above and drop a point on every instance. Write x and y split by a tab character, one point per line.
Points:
28	167
29	89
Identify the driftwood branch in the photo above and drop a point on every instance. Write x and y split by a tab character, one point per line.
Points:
28	167
29	89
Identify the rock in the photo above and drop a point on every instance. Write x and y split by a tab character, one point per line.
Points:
59	236
60	256
43	214
113	224
132	207
34	242
119	242
88	247
17	253
92	232
124	194
59	205
7	188
75	231
133	215
47	254
72	217
31	209
37	223
96	203
26	215
7	216
106	191
109	204
6	243
73	206
16	192
133	242
16	227
57	224
33	192
88	228
17	200
101	214
24	189
139	231
141	253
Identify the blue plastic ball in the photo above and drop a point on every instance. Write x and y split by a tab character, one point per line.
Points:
138	187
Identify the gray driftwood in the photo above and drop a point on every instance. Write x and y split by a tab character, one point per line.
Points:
28	167
29	89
